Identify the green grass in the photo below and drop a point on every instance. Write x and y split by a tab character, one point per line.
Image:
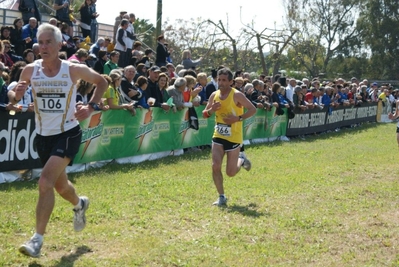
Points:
329	200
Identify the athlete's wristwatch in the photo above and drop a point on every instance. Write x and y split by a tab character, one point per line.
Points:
240	118
95	106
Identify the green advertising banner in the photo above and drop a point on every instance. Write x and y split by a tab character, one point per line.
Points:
265	124
118	134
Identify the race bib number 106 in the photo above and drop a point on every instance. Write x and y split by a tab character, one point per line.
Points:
51	102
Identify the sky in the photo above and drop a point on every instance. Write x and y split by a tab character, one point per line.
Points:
263	12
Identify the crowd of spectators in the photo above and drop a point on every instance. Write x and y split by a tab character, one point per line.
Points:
140	78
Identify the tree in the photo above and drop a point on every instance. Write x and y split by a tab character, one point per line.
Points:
326	29
378	27
224	36
194	35
145	32
277	39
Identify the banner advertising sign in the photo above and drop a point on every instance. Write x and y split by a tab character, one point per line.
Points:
17	134
316	120
117	134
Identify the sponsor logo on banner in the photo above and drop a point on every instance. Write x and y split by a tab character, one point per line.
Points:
93	130
248	122
184	126
17	141
145	127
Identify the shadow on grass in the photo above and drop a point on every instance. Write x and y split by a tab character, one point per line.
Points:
68	261
249	210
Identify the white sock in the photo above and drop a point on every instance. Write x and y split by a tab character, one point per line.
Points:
38	237
79	205
222	195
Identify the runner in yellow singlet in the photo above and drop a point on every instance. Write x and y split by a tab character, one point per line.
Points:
228	105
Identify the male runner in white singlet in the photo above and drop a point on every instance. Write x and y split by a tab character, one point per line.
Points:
57	126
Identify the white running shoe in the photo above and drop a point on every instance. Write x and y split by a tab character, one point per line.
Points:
79	217
246	164
221	201
31	248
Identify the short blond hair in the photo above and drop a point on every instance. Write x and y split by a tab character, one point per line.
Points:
202	75
190	80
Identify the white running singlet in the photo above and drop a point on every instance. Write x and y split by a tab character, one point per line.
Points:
55	100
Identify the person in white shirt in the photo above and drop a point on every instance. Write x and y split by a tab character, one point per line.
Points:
58	134
289	90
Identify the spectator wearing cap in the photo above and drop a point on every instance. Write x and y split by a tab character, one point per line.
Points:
162	52
153	88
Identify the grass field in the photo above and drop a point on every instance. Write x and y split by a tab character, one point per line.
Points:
328	200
